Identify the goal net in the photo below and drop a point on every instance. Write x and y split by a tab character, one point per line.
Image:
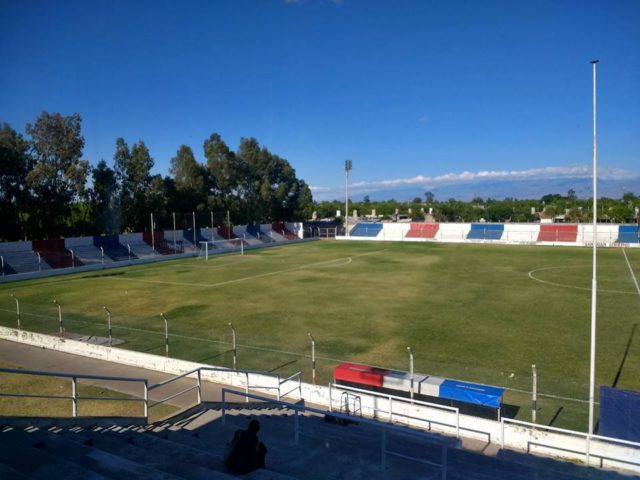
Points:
213	247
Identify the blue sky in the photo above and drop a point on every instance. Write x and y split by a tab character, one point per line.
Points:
414	92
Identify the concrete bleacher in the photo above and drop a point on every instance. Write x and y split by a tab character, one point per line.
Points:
85	251
628	234
281	229
366	230
113	248
54	252
138	246
192	445
256	232
486	231
423	230
558	233
19	257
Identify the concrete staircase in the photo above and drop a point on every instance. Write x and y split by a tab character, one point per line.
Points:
191	446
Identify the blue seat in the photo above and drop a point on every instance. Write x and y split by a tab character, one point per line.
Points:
486	231
628	234
366	230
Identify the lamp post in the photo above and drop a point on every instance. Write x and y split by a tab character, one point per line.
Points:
109	325
17	309
313	357
410	370
166	335
59	318
594	282
234	349
347	168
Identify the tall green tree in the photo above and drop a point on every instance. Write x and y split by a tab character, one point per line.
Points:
105	204
133	173
58	176
15	162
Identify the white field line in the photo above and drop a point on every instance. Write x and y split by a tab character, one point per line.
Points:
563	285
336	262
633	275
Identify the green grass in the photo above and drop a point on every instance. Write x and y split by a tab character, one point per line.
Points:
471	312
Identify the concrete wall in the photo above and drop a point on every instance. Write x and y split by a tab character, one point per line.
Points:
514	233
518	437
15	247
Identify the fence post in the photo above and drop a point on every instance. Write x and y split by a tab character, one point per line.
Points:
39	261
59	318
502	433
74	396
102	256
146	399
166	335
330	397
390	409
199	386
457	423
224	408
246	387
129	250
17	309
588	449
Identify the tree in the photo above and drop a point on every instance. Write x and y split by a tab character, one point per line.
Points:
133	172
104	200
429	197
189	178
15	162
58	176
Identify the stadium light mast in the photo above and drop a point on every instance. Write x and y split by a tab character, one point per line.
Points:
347	168
594	282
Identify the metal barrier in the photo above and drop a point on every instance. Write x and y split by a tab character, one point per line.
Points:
588	439
384	427
393	399
198	386
75	398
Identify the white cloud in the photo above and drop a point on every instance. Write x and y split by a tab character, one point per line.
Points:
570	171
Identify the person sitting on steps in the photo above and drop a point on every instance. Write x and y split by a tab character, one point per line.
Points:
245	452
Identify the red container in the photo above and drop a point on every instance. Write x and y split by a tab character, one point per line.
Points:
359	374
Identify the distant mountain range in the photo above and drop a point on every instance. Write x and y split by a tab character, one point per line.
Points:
496	189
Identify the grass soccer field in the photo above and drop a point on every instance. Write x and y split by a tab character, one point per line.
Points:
481	313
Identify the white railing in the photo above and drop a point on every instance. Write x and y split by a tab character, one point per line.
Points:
74	397
197	373
385	428
561	445
395	400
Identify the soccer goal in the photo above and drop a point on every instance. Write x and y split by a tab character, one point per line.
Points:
221	246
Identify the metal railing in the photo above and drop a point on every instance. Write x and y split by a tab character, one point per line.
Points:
385	428
588	439
74	397
247	373
394	400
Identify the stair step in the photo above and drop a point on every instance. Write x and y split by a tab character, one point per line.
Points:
93	459
37	464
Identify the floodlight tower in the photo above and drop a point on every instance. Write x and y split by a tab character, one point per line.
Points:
347	169
594	283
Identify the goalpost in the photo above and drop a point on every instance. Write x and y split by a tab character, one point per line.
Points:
221	246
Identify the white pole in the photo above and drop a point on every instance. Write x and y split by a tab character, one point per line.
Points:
153	240
2	261
194	228
166	335
102	255
59	318
594	283
39	261
129	250
17	309
313	357
109	325
411	370
174	233
235	351
534	398
73	263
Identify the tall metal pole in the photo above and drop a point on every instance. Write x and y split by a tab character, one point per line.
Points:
313	357
594	282
109	325
174	233
347	169
534	397
17	310
194	229
235	351
60	318
153	238
166	335
411	370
